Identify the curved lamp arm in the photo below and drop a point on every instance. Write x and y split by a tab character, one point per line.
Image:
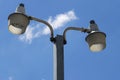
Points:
74	28
46	23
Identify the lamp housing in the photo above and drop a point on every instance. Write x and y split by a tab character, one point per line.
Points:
96	41
17	23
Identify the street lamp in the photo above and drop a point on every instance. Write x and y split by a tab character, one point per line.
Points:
18	22
96	39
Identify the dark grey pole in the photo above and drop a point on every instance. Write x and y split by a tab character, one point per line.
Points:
58	58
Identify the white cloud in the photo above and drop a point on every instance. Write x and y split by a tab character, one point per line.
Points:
32	31
28	36
60	20
35	31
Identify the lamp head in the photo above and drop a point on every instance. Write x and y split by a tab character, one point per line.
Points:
96	39
18	21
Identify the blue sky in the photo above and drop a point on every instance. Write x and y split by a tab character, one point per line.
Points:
30	56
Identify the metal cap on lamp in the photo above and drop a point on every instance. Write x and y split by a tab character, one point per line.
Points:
18	21
93	26
96	39
20	8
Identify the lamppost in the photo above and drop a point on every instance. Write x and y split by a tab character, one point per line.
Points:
96	40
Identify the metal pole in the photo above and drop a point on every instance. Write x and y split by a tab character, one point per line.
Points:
58	58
